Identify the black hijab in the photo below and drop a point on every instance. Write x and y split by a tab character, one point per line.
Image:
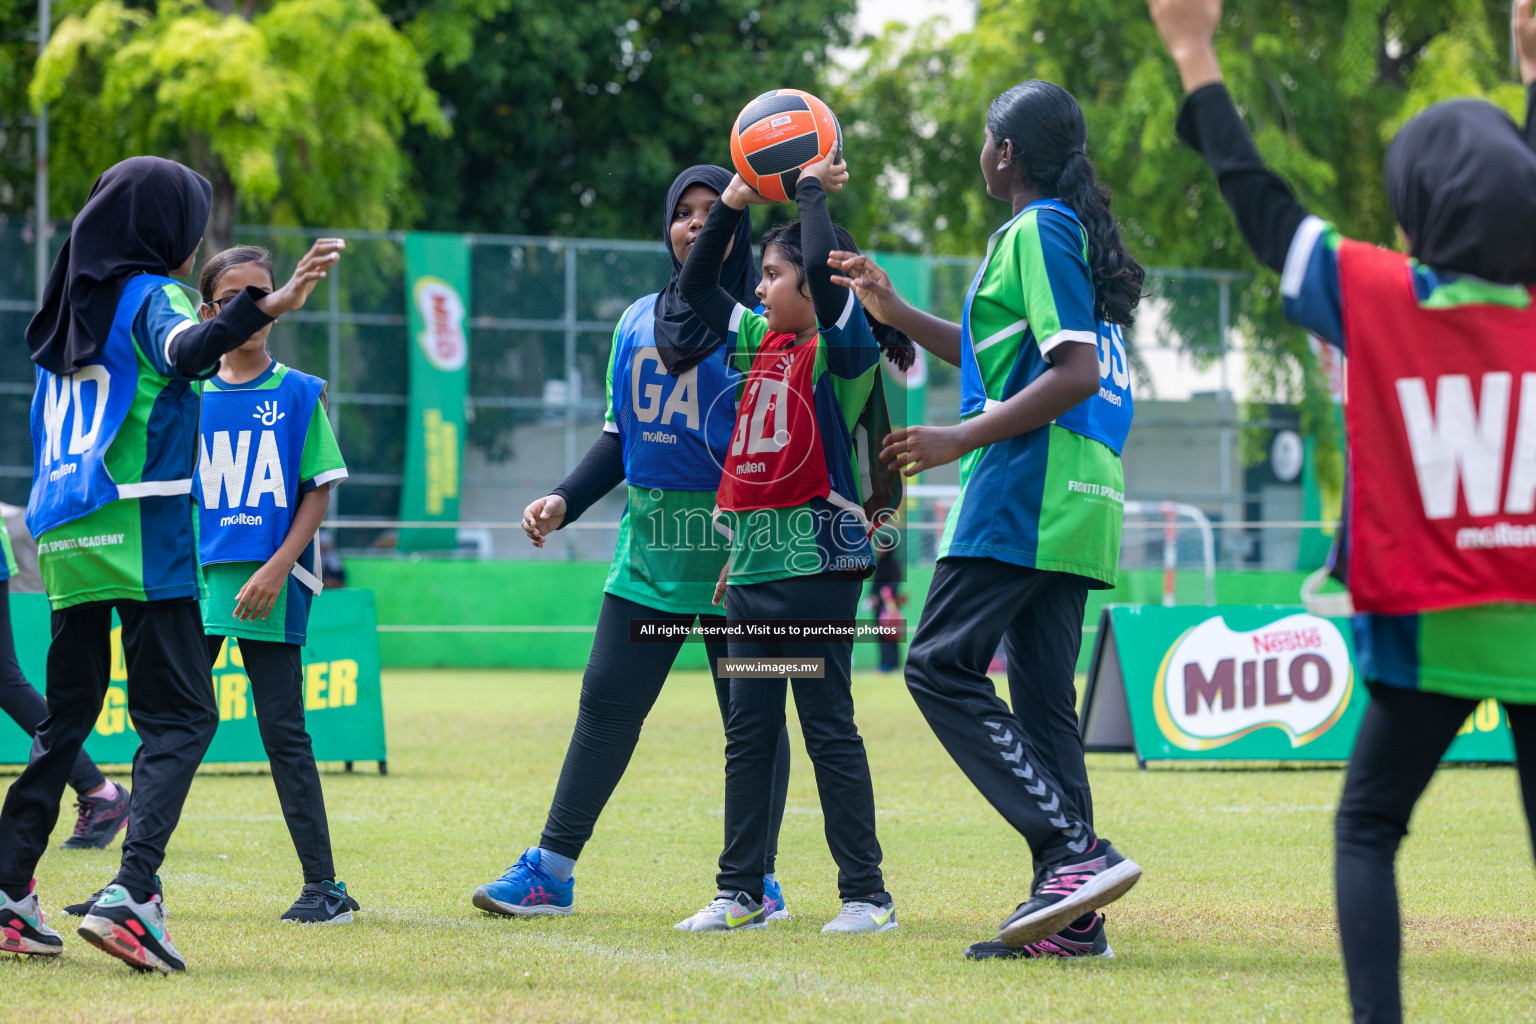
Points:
143	215
682	340
1462	181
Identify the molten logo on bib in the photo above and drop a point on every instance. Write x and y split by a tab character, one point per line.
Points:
442	311
1216	685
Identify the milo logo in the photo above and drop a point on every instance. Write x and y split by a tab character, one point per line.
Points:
1217	685
442	314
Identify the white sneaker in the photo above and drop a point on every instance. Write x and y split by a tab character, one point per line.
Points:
862	916
727	912
133	932
23	928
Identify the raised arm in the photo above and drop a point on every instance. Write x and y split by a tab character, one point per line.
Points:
699	282
817	240
192	349
1266	210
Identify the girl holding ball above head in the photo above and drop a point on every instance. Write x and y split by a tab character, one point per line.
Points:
1440	624
800	549
1045	407
671	407
119	350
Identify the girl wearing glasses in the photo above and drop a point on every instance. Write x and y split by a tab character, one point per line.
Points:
267	462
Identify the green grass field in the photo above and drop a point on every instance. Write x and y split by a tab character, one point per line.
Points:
1233	920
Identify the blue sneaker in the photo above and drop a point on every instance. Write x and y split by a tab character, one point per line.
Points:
773	900
526	890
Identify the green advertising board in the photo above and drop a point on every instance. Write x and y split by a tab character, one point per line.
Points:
437	308
1240	683
343	705
906	392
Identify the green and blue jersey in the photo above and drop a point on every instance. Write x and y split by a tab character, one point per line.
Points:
116	442
1052	498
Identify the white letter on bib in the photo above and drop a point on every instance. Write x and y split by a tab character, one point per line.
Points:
1456	436
267	477
224	471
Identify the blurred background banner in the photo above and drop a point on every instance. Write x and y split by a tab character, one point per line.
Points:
343	704
437	308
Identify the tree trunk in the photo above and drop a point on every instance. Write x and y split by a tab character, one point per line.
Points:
221	214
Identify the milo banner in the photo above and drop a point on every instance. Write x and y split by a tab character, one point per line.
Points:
1240	683
343	706
437	308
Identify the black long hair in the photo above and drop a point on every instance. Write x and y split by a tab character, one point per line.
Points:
898	348
1050	141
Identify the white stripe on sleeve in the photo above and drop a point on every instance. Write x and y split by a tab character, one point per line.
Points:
736	315
1299	255
175	331
1061	337
842	320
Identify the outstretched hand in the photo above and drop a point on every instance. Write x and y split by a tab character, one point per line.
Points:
1188	29
291	296
869	282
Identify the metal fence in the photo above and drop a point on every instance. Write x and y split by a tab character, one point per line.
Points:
541	319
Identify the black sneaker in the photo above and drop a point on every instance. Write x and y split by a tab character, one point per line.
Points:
1069	943
98	821
84	907
322	903
1067	891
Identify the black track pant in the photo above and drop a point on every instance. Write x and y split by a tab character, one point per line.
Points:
832	740
27	708
1027	761
1402	738
170	699
622	681
277	688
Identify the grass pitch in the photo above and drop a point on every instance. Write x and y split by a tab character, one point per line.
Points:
1232	922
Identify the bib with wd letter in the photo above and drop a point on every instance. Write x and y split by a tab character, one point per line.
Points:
250	448
1441	414
76	418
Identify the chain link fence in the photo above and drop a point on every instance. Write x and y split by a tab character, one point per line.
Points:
541	322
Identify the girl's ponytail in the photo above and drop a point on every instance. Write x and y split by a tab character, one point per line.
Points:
1050	139
1117	277
897	347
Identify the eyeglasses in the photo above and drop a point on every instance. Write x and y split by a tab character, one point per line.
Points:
218	304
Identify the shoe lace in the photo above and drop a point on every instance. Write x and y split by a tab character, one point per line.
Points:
309	898
722	901
85	811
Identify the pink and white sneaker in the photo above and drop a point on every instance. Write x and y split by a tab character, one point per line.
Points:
23	928
1067	891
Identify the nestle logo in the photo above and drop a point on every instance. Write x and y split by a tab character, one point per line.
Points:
1218	684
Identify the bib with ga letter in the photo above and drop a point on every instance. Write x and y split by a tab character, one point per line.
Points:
674	430
250	447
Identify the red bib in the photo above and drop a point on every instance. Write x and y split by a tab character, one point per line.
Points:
1441	415
775	459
